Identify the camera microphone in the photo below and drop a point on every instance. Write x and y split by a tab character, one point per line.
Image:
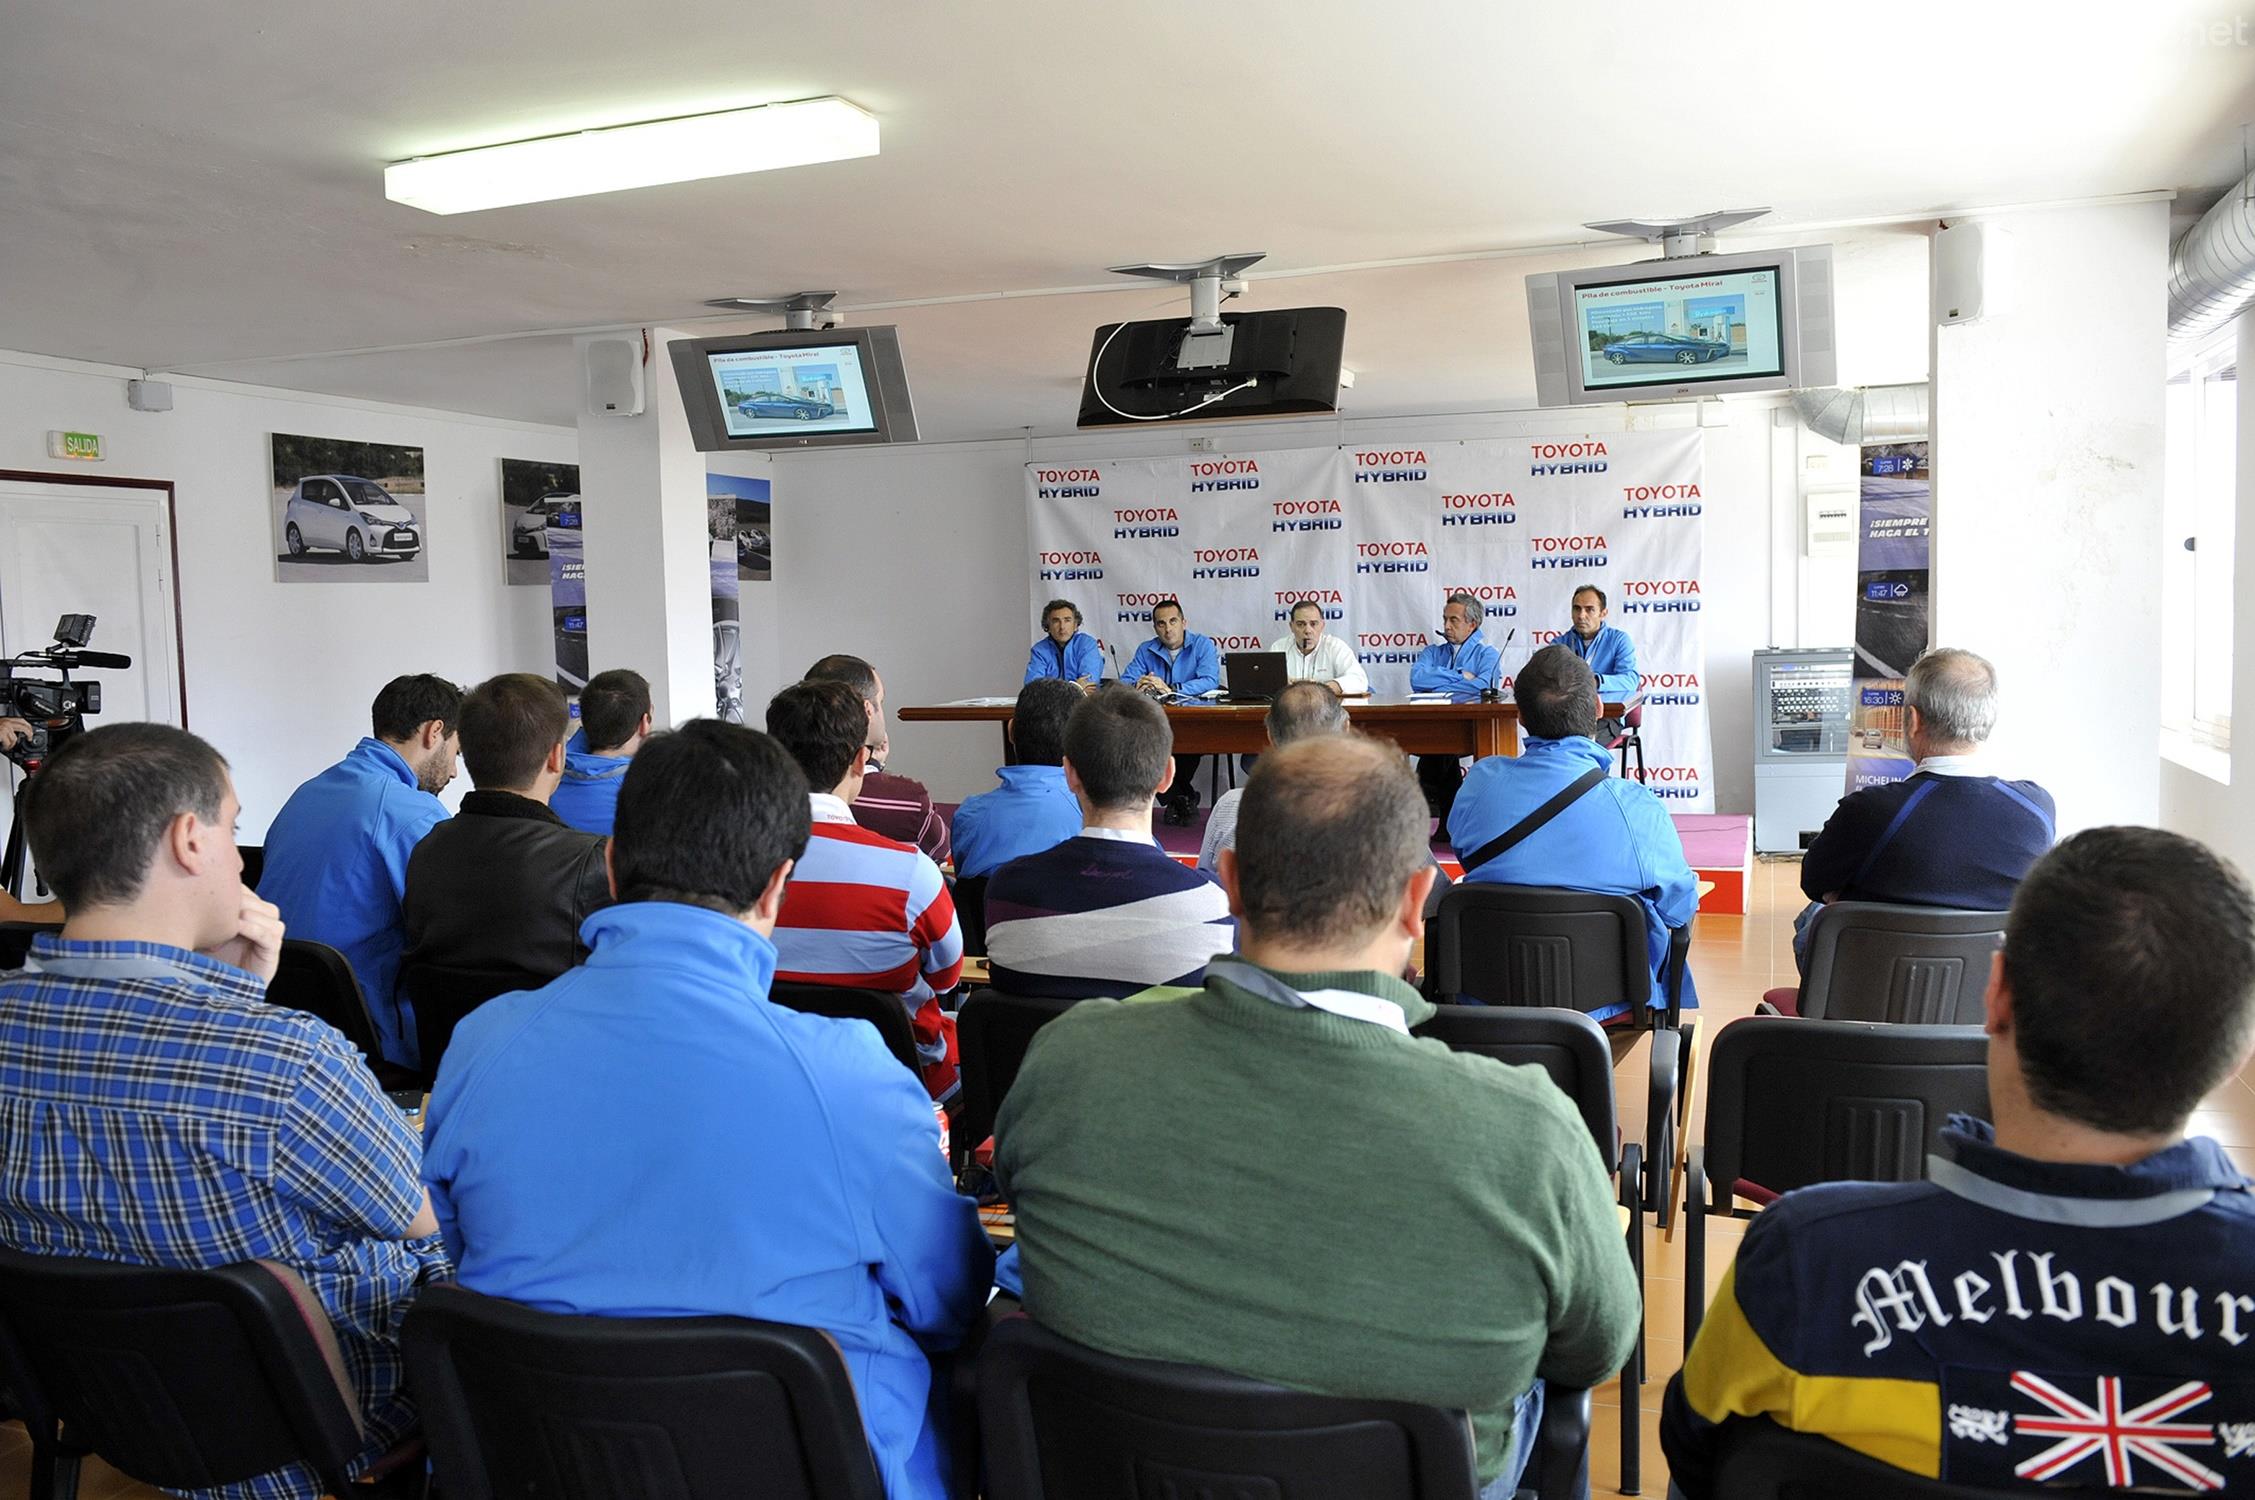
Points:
99	659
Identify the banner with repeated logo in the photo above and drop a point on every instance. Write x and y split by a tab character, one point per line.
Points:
1896	518
1380	537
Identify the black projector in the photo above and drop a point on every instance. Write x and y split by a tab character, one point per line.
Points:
1258	364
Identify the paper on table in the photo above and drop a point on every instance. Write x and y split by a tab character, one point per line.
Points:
1432	697
980	703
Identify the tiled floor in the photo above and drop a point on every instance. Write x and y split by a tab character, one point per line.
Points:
1734	959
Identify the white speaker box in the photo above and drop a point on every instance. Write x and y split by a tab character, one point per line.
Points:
1966	257
614	376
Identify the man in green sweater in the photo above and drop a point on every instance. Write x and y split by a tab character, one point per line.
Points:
1272	1177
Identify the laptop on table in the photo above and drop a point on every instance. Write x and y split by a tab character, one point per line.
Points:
1253	676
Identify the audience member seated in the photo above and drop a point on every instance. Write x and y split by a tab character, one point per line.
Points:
1306	707
336	854
614	722
1107	912
2065	1274
1033	809
154	1109
1949	834
649	1136
504	884
896	806
863	910
1228	1180
1615	837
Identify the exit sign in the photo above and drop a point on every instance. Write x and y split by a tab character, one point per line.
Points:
85	447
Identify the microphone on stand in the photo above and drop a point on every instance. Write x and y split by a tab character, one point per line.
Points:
1110	655
1493	692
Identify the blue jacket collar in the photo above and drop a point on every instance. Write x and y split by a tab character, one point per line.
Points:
1576	747
641	935
583	764
2195	1164
378	756
1033	778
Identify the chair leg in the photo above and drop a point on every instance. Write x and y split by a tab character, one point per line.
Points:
1694	1245
1639	743
54	1471
1633	1171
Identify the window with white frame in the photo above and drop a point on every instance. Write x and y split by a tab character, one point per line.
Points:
2199	511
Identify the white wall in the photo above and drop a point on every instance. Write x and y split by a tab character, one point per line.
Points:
280	676
2047	495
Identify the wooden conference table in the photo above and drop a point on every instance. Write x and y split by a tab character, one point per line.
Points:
1475	729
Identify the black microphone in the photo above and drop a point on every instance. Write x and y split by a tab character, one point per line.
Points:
1493	692
72	660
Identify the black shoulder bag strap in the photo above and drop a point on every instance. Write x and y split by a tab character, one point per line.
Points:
1520	831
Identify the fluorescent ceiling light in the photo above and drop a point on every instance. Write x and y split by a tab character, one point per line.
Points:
632	156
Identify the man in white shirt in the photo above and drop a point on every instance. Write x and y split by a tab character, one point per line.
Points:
1311	655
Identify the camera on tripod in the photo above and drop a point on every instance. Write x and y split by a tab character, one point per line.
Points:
54	706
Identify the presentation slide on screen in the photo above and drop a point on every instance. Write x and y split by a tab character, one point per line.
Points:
766	392
1676	328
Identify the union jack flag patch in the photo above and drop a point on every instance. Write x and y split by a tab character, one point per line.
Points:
2024	1428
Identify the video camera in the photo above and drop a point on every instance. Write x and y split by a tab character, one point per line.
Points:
56	707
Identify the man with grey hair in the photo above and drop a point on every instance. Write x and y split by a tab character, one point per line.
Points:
1294	1070
1304	708
1949	834
1461	664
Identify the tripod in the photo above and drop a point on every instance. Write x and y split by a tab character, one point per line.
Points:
12	859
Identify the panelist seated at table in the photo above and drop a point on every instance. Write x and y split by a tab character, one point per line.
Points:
1063	651
1176	662
1608	649
1313	654
1462	662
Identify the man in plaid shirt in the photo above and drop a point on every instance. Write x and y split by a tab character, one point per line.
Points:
155	1110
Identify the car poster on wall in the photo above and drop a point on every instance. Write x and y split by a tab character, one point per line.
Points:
347	512
536	499
1893	557
737	533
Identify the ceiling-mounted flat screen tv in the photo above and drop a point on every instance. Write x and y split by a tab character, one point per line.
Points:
813	388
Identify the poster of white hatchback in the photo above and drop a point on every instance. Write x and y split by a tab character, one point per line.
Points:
348	512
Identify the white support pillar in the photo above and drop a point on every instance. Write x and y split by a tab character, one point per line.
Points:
2047	502
649	591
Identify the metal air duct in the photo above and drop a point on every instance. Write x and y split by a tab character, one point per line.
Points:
1867	414
2212	272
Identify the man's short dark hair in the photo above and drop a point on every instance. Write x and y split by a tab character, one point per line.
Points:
1294	612
1330	830
1588	588
611	707
1303	709
823	725
509	724
1037	724
1055	605
97	812
408	703
850	670
2131	958
706	814
1557	695
1119	742
1173	604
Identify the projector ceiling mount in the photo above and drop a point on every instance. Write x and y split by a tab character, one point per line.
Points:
800	310
1205	345
1678	238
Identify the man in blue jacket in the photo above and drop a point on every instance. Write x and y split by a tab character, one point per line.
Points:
1175	662
1615	837
1033	809
336	854
614	720
651	1136
1608	651
1062	651
1463	665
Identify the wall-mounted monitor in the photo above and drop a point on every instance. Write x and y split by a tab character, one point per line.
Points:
1282	363
814	388
1703	325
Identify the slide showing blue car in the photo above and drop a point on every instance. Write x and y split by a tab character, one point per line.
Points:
1664	349
769	404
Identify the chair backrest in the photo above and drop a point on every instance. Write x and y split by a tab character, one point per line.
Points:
1539	945
879	1008
520	1403
317	979
15	940
1059	1421
1760	1460
1926	965
441	995
1566	1044
971	914
993	1031
254	863
185	1379
1792	1102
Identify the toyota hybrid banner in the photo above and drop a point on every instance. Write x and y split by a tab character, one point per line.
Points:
1381	536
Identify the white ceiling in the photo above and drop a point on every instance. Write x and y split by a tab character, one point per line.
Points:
198	187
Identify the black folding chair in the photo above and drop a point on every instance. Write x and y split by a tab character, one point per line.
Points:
1760	1460
1627	735
993	1031
182	1379
1574	950
1572	1049
518	1403
15	941
1065	1422
879	1008
1923	965
1792	1102
316	978
441	995
970	894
